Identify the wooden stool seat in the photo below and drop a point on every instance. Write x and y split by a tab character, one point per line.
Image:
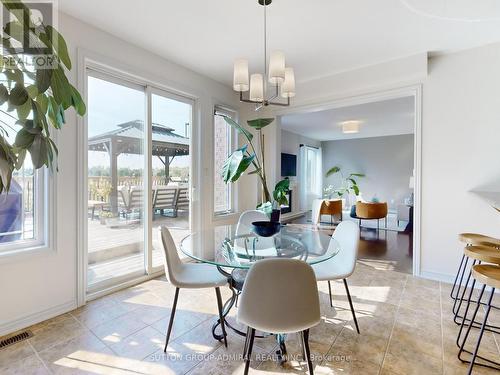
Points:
483	253
478	239
487	274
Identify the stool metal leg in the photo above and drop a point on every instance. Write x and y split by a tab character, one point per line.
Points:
456	278
461	345
483	326
456	309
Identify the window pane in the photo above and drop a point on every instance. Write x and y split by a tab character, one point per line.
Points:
222	148
171	163
21	207
115	180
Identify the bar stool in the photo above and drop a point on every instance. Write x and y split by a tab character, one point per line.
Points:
481	254
470	239
488	275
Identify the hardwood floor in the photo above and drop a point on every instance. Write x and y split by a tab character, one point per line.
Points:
382	249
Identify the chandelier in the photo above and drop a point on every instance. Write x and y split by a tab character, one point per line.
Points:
265	89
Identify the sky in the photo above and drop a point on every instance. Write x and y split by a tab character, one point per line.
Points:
110	104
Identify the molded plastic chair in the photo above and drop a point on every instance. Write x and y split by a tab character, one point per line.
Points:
342	265
280	295
247	218
194	276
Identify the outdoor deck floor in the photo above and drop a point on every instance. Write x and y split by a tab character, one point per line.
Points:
121	245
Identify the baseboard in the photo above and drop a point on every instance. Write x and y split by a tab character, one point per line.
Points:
446	278
35	318
292	215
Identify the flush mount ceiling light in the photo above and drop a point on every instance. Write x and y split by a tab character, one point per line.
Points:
456	10
350	127
279	78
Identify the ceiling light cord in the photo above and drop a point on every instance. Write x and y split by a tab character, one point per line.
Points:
265	47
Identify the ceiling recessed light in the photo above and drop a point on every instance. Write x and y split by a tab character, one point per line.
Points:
350	127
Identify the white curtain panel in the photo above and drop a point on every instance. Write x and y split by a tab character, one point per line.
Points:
302	177
318	191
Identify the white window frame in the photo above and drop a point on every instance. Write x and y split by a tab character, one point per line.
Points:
41	240
222	110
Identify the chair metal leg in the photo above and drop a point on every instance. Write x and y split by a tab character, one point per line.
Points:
305	345
221	316
330	293
248	354
456	309
350	304
171	322
469	372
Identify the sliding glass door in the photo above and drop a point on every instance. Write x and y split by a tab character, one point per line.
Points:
115	241
138	177
171	117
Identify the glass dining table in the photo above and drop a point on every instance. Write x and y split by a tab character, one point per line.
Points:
233	250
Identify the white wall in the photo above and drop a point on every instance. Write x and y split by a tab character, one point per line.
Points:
461	142
387	163
36	287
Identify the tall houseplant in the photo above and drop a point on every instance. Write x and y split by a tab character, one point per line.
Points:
347	184
33	95
242	158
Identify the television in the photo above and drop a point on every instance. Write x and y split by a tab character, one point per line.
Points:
288	165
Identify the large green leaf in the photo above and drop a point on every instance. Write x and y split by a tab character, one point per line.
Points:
266	207
43	79
77	101
4	93
260	123
24	139
56	113
24	110
238	127
38	151
236	164
61	88
333	170
59	45
280	191
18	95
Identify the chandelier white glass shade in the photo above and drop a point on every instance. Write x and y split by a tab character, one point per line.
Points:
350	127
277	80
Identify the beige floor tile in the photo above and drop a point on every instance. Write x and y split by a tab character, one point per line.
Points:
139	344
186	351
55	330
406	361
31	365
78	355
15	352
361	347
95	313
339	366
116	330
184	321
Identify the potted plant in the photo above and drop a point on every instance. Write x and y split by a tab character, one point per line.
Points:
37	96
244	157
347	184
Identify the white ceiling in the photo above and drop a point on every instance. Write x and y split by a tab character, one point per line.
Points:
319	37
389	117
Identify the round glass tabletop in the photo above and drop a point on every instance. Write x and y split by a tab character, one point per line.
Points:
225	246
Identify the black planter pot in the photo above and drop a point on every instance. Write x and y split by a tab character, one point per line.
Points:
275	215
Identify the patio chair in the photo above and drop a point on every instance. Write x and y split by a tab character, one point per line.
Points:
182	200
164	199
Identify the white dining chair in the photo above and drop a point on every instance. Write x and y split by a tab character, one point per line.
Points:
247	218
342	265
280	295
192	276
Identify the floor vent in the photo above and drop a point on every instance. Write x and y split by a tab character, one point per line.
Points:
15	339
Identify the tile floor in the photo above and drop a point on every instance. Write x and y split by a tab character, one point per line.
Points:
405	322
